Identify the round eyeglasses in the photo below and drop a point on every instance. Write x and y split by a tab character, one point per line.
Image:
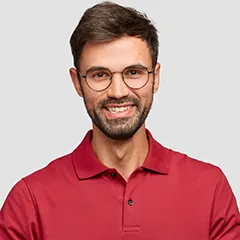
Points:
100	78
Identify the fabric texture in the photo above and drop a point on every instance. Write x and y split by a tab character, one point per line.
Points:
171	196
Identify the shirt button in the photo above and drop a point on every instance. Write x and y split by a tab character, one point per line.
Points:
130	202
113	174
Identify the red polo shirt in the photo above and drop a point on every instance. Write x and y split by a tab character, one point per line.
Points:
171	197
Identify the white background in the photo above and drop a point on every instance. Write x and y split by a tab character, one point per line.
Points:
196	110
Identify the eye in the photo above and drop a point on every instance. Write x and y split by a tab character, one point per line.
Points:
99	75
134	72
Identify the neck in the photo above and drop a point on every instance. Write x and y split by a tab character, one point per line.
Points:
124	155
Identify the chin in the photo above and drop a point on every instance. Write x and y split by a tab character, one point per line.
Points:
119	133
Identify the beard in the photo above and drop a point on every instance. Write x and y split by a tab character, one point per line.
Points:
120	128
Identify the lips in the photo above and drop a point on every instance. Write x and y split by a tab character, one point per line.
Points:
114	107
118	110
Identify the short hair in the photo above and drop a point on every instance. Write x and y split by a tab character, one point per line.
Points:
107	21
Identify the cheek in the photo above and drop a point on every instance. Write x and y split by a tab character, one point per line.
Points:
91	99
145	94
148	99
90	102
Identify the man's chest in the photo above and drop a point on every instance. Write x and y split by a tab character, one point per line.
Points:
131	212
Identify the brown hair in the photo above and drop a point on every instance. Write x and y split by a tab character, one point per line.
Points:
107	21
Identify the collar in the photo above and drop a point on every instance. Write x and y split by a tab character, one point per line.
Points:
87	165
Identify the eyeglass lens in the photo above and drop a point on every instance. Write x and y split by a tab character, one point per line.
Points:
100	79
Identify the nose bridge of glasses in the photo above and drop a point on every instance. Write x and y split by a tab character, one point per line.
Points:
117	88
117	79
119	73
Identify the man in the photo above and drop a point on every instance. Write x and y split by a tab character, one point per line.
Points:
120	183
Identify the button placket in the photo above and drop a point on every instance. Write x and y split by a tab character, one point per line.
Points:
130	208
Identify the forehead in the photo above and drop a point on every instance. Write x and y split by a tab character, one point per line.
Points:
116	54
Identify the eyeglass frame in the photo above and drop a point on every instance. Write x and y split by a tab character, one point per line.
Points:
103	68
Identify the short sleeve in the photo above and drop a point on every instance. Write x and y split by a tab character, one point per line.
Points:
18	216
225	220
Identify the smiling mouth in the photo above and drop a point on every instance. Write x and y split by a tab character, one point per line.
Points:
115	110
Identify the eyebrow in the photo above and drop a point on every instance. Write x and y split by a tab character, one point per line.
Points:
93	68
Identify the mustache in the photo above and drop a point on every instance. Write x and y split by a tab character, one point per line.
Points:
107	101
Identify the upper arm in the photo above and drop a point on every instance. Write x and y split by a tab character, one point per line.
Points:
225	220
18	216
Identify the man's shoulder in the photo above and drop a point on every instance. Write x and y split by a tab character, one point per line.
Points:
181	160
53	172
182	165
190	166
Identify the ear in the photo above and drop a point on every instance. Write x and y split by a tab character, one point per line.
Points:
156	77
76	81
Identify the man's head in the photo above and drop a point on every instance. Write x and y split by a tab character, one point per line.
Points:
113	37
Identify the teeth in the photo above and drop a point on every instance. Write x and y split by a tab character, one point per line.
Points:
118	109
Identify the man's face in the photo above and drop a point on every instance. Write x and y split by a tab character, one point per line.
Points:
117	111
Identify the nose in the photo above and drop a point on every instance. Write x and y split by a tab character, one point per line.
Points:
118	89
